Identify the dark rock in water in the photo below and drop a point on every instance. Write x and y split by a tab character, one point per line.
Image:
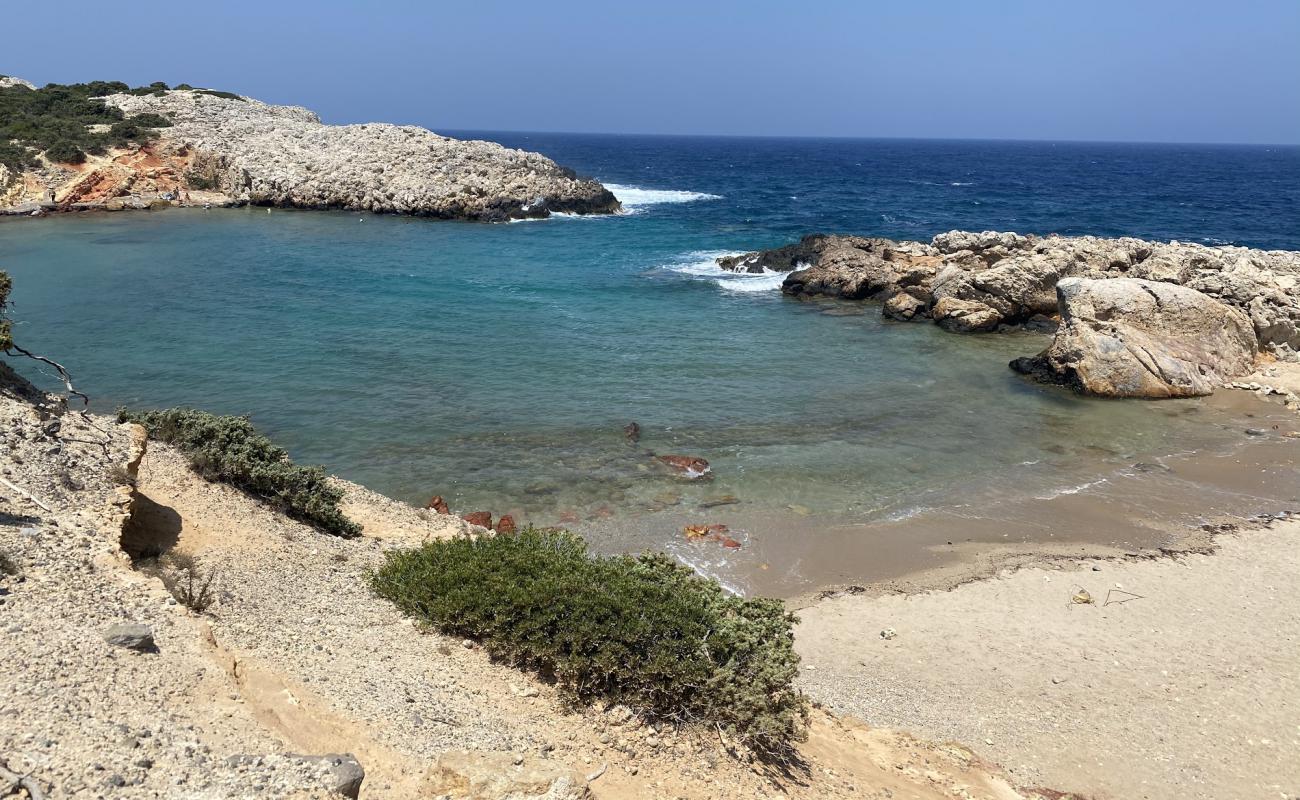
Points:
805	253
132	636
1256	432
436	503
506	524
724	500
633	432
480	518
1143	466
690	466
342	773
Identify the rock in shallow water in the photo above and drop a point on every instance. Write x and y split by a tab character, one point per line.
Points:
1125	337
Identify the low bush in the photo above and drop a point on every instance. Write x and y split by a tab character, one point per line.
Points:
65	153
639	630
230	450
189	583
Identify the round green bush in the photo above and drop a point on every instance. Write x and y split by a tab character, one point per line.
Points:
643	630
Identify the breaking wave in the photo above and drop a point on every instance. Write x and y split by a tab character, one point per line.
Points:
703	265
635	197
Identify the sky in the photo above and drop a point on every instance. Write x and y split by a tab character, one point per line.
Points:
1104	70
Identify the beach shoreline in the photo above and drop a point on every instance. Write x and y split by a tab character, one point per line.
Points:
1155	676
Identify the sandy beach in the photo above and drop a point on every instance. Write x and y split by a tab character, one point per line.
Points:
1179	679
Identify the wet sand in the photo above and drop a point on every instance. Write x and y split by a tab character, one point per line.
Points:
1167	505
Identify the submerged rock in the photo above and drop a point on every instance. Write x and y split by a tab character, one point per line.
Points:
1126	337
690	466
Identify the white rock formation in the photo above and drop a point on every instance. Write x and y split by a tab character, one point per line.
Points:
258	153
1126	337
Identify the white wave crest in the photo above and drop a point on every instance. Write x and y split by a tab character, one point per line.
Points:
703	264
633	197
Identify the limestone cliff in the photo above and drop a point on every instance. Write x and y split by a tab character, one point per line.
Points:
227	150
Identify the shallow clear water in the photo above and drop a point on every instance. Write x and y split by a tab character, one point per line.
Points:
498	364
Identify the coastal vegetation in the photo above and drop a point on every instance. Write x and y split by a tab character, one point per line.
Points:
643	631
230	450
57	120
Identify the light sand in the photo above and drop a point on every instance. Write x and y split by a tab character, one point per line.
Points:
1191	690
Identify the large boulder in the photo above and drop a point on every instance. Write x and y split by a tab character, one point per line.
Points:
1127	337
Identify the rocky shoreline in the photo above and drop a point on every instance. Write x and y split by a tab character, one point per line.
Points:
231	151
1131	318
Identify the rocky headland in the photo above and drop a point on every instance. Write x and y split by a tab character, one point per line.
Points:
224	149
1131	318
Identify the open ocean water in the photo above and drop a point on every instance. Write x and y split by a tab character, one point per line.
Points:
497	364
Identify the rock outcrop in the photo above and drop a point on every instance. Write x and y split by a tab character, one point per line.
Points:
235	151
1126	337
977	282
285	156
10	80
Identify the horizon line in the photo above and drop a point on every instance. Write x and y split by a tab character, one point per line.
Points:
848	137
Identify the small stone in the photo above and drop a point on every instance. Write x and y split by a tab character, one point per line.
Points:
1256	432
888	633
132	636
468	644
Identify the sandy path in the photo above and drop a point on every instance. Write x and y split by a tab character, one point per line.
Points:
1192	691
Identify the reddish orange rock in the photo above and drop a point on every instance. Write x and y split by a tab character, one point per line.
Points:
506	524
437	504
690	466
482	518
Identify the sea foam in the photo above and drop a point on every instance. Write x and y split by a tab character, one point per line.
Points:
703	264
635	197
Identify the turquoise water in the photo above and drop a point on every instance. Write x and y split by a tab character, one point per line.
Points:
497	364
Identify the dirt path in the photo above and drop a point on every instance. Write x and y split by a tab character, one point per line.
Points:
1185	685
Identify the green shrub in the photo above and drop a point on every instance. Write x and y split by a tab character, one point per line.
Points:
230	450
639	630
216	93
58	117
65	153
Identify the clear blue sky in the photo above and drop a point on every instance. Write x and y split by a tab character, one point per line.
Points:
1127	70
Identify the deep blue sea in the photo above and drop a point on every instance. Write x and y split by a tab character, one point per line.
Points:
497	364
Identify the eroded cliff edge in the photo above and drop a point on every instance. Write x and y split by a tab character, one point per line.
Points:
229	150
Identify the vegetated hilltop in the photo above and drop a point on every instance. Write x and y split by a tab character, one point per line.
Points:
105	145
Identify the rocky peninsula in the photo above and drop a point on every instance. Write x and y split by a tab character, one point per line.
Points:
222	149
1131	318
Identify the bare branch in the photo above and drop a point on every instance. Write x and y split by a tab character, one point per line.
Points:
63	372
